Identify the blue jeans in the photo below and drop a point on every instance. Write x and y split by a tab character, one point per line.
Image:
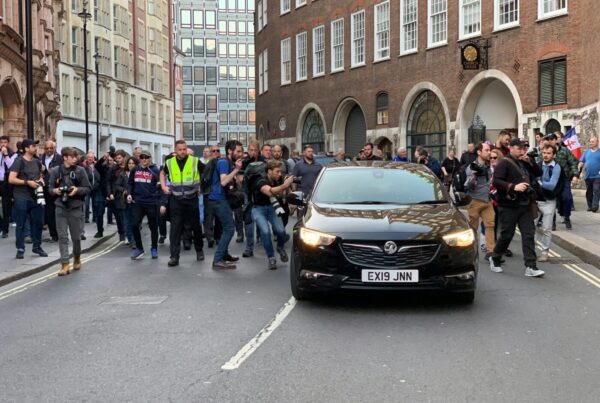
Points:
592	193
22	210
99	204
127	221
223	212
566	200
262	216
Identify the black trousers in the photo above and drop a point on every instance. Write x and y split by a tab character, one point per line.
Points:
138	212
182	210
508	219
162	225
6	207
50	215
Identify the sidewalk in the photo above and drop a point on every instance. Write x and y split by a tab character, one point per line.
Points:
584	239
12	269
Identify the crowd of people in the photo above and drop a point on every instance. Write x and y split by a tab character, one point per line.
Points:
209	199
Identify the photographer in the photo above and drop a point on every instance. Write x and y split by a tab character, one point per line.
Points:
513	178
69	184
26	176
266	209
479	176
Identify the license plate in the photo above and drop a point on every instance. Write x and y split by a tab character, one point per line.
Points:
390	276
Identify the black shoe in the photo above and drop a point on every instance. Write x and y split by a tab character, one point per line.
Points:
200	256
211	243
5	235
173	262
98	235
568	224
282	255
187	246
508	253
239	239
87	220
39	251
20	254
590	209
594	210
248	253
229	258
553	226
83	238
161	240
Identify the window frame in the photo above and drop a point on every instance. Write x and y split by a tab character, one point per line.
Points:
315	55
461	20
300	3
333	45
286	65
282	9
553	61
376	38
430	43
497	25
355	39
552	14
300	65
403	50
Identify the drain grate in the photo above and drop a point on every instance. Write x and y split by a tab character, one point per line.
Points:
135	300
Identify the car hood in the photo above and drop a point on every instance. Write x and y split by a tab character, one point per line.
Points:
379	222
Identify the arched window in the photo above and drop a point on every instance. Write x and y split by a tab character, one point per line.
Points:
382	109
552	126
313	131
426	125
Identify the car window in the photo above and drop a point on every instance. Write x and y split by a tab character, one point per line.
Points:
378	186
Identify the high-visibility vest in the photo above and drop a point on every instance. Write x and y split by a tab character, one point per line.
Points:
184	184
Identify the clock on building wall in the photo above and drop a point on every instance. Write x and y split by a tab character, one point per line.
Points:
470	56
282	124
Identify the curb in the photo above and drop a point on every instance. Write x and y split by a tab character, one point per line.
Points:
35	270
578	249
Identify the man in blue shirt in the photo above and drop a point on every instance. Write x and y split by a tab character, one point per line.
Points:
551	189
591	163
223	181
307	170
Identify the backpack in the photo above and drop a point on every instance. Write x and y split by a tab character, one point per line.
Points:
253	173
459	179
207	176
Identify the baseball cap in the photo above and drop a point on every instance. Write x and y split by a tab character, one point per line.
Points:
28	142
517	142
550	136
146	153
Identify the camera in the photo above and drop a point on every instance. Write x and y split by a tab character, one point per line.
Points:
478	170
297	180
278	209
64	193
39	196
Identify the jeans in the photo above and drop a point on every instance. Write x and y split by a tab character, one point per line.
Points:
88	207
99	205
23	209
508	219
547	209
68	221
592	193
566	200
221	209
263	216
138	211
127	220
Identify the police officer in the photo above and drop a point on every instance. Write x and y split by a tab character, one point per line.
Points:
184	172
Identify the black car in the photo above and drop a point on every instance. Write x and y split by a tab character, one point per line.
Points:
377	225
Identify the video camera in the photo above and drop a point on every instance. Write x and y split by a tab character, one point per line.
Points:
478	170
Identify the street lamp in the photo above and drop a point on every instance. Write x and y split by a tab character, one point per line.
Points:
97	60
85	16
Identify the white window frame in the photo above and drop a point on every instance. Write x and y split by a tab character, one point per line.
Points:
381	33
356	40
551	14
430	42
318	57
301	56
497	25
285	6
264	11
286	61
259	16
265	70
300	3
335	69
415	23
461	19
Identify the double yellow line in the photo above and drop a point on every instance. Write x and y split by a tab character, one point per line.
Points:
47	277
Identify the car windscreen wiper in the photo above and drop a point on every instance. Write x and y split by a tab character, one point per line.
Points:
432	202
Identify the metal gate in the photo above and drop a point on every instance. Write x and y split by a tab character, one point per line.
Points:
477	131
356	131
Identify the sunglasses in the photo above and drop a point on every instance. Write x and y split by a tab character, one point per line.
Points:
493	158
144	157
215	151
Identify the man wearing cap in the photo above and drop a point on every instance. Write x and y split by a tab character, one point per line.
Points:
26	176
513	177
143	195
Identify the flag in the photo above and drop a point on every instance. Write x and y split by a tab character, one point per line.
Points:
572	142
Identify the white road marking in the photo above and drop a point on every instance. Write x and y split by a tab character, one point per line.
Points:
255	343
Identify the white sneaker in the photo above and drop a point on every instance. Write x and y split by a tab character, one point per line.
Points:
494	268
533	272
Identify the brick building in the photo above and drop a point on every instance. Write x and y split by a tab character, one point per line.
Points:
335	74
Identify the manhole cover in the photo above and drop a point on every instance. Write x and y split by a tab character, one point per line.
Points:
134	300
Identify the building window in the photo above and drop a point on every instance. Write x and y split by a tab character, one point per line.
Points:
186	46
223	95
506	14
145	113
409	22
211	75
199	103
263	75
74	47
187	103
198	47
186	18
261	10
382	109
223	5
251	95
232	50
242	73
233	72
198	75
243	117
233	95
285	6
211	48
242	52
200	131
242	95
188	131
187	74
212	131
198	19
318	51
252	117
211	103
382	31
153	116
301	70
222	50
223	116
233	118
553	82
300	3
337	45
222	72
551	8
211	19
438	22
358	38
470	18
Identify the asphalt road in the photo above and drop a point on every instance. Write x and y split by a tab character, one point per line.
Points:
137	331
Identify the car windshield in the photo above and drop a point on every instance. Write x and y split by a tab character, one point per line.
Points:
378	186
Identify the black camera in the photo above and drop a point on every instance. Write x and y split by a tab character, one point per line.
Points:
64	193
478	170
297	179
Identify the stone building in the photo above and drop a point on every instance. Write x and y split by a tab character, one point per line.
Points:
436	73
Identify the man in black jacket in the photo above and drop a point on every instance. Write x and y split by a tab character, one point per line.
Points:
116	190
50	158
514	178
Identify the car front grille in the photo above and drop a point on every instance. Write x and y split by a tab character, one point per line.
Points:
373	255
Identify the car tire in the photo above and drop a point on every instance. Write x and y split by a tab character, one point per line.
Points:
297	292
464	297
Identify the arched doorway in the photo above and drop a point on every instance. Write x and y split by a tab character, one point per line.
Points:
313	132
386	146
552	126
426	125
355	133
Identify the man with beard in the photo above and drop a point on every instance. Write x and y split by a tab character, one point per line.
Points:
265	152
368	153
307	170
503	141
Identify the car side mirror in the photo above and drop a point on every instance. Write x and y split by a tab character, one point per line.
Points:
462	199
296	199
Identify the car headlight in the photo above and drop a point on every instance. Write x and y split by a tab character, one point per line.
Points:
314	238
460	239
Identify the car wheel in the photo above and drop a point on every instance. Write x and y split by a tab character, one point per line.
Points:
297	292
464	297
